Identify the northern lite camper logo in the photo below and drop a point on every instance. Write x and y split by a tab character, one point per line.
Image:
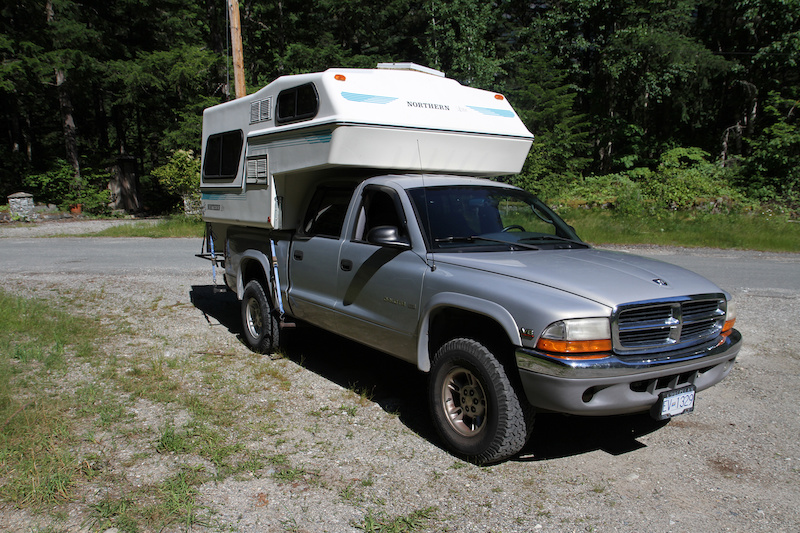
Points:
426	105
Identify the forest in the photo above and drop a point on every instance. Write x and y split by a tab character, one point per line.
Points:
679	103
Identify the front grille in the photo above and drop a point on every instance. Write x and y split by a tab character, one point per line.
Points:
663	325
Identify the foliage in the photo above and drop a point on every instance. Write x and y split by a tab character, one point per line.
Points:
774	165
57	186
181	175
684	180
51	186
607	87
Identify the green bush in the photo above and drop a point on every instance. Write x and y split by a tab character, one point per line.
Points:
58	186
684	180
181	176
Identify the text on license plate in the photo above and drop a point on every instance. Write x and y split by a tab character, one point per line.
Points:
675	402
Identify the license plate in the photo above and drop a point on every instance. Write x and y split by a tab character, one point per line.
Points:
674	403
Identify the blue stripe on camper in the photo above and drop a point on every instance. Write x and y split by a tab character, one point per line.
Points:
219	197
320	137
368	98
493	112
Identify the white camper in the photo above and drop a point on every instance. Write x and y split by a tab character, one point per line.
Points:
264	152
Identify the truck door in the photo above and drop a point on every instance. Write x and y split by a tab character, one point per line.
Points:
379	286
314	257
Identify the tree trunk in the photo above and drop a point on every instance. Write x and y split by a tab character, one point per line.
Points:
65	104
123	185
70	131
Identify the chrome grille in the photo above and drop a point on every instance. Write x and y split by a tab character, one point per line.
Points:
668	324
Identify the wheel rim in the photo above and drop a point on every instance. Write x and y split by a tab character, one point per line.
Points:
464	402
255	320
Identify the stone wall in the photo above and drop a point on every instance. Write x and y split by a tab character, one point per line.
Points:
20	206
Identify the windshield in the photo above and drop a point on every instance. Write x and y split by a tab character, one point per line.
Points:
488	217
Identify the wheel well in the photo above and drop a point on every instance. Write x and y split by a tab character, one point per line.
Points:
252	269
450	323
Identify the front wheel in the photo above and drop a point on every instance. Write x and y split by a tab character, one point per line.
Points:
474	405
262	330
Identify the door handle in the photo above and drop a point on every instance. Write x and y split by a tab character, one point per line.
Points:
298	255
346	265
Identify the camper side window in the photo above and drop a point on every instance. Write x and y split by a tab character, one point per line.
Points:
223	151
325	215
297	103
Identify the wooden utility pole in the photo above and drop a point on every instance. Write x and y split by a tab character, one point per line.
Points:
236	40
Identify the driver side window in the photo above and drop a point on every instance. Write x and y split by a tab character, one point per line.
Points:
378	208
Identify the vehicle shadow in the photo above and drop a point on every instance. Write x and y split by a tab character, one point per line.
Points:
218	303
400	389
556	436
397	387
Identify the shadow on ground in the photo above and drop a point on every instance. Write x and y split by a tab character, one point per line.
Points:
399	388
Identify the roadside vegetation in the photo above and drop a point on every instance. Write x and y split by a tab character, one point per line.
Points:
173	226
72	382
53	412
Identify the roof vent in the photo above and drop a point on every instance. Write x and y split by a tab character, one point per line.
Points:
411	66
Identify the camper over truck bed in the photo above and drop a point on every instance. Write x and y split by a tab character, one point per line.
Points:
264	153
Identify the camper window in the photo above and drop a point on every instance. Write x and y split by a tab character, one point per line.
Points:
297	103
223	151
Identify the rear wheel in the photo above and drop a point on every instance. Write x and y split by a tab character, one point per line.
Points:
262	330
474	405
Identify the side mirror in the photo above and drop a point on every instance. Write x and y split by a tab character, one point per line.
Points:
387	236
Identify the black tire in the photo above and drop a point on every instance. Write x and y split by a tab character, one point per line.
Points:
474	405
260	322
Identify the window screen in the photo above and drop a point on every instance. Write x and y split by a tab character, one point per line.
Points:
223	151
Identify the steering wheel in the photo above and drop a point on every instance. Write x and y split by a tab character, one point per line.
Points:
514	226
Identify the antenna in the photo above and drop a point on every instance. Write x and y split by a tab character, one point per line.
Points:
427	211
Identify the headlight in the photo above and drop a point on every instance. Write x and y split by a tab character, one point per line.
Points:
730	316
576	336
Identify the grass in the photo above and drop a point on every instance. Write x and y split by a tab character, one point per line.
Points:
37	436
62	429
175	226
763	232
379	522
46	423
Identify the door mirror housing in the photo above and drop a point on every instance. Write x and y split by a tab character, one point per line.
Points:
387	236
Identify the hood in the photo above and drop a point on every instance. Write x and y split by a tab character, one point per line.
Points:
609	278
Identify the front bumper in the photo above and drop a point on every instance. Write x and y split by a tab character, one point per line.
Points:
615	385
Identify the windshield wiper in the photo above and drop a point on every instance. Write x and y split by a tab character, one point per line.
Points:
557	238
474	238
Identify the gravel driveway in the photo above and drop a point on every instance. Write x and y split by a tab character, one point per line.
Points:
346	445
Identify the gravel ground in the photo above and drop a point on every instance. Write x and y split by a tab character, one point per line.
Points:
352	447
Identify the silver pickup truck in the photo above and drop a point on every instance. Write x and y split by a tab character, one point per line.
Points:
484	288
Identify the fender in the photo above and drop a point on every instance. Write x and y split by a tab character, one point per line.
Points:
266	265
478	306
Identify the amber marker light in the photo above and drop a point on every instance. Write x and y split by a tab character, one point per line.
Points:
499	97
339	77
579	348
